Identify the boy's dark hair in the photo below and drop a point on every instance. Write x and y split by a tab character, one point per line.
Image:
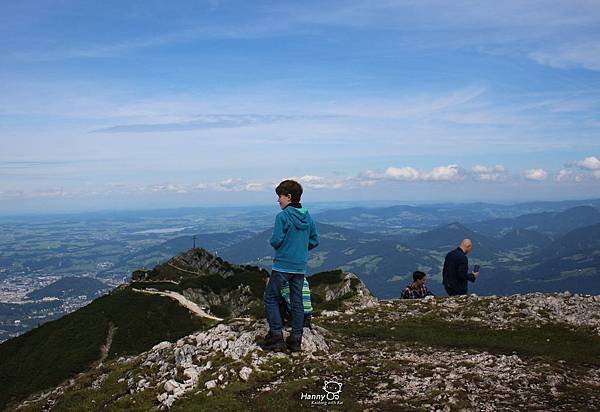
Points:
418	275
290	187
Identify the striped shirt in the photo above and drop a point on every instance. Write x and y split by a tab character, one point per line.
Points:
285	292
418	293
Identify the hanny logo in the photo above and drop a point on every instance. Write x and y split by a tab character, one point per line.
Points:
331	396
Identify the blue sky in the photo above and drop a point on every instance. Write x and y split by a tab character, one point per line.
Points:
152	104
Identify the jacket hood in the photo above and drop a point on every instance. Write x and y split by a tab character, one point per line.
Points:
298	216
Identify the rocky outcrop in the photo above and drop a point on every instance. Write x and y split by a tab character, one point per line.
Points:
339	289
506	312
190	363
349	283
199	261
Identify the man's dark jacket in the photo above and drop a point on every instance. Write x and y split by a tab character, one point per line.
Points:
456	272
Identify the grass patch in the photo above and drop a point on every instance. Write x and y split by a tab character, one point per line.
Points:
256	310
325	278
555	341
256	280
221	311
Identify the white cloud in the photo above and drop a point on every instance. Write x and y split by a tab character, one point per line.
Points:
579	170
255	187
394	173
227	185
319	182
564	175
489	174
168	187
589	163
231	185
410	174
402	173
443	173
569	175
536	174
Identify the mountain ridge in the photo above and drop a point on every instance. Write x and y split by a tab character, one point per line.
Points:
516	352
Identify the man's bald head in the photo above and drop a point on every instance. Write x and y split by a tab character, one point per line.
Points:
466	245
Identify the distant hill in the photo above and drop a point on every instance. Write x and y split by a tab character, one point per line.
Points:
70	286
522	238
551	223
447	237
584	240
364	218
399	219
571	262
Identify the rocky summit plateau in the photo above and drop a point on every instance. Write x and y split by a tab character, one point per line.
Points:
471	353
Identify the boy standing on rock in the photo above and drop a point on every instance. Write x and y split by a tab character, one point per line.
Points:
294	235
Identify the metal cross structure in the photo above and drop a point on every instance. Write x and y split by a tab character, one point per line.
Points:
194	237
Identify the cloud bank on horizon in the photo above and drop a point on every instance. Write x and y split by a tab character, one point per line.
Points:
217	101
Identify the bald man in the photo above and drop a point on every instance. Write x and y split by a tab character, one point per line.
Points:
456	270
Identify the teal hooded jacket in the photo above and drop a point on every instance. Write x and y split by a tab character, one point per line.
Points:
294	235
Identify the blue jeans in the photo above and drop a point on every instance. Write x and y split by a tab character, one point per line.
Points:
273	297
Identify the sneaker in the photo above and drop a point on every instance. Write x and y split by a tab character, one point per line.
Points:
272	341
294	343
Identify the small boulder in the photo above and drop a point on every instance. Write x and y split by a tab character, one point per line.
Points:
161	345
171	385
245	373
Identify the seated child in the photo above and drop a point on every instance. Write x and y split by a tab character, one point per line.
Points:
417	289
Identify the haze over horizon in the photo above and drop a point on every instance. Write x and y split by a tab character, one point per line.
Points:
150	105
